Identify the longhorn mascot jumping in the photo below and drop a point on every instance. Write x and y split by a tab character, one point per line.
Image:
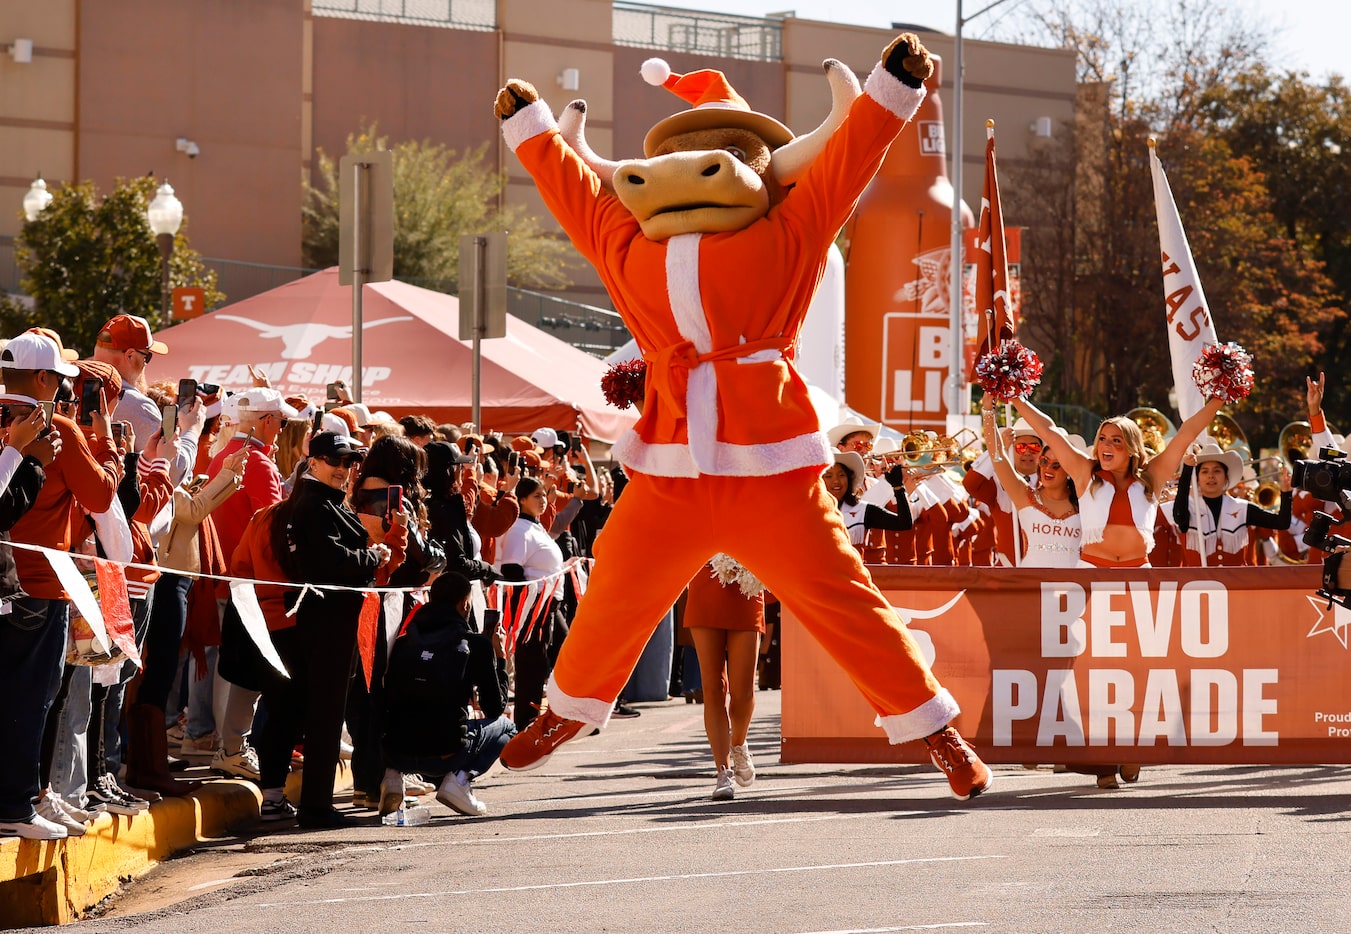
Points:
711	248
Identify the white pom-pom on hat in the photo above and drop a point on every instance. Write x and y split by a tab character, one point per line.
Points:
655	71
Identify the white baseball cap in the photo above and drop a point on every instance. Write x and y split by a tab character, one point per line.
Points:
35	352
545	438
259	399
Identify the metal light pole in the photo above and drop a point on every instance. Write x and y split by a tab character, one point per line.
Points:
958	372
165	215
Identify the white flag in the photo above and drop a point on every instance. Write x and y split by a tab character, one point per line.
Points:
1190	326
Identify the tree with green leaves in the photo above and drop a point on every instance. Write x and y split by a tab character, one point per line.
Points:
438	197
85	259
1092	279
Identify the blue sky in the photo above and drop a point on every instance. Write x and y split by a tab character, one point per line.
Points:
1309	35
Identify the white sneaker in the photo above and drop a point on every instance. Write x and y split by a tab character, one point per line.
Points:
724	790
391	792
742	766
415	785
242	764
49	808
36	827
457	793
345	744
84	815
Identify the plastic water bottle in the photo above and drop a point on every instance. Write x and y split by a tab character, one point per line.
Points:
407	817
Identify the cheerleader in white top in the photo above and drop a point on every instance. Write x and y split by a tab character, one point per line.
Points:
1048	515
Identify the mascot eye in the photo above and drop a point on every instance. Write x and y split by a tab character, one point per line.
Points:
736	151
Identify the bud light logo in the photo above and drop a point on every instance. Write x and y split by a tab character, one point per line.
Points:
931	142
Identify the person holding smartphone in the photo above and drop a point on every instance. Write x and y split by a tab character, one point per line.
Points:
127	344
388	488
318	539
33	634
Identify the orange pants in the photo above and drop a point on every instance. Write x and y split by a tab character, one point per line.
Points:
787	530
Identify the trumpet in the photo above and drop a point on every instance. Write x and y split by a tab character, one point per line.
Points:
925	449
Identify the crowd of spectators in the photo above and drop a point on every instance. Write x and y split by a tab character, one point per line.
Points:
165	494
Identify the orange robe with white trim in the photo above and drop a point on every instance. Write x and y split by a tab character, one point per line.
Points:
728	451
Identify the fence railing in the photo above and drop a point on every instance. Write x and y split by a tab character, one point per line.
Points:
673	30
454	14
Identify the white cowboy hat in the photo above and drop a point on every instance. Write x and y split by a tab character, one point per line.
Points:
851	425
1232	461
854	461
1021	429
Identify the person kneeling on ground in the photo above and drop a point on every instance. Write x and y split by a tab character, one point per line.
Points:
437	664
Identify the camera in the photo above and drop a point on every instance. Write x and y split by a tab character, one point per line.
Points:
1328	479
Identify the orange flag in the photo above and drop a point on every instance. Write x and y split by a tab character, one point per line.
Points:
992	269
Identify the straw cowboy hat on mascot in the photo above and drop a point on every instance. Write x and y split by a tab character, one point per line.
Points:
711	247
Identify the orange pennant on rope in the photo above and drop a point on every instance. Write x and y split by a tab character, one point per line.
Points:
116	607
367	626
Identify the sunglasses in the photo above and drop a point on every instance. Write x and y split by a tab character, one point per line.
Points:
1047	462
146	355
1027	447
339	460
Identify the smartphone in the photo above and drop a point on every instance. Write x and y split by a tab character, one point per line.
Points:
333	391
168	421
513	459
576	444
393	500
117	433
318	421
187	391
91	399
6	416
208	389
48	411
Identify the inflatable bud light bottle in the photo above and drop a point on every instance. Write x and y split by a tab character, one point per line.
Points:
898	279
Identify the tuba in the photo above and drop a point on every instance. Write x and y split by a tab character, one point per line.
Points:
1296	442
1155	426
1225	432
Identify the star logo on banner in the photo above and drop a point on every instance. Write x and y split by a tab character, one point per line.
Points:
1341	618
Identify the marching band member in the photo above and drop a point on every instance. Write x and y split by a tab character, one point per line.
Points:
1221	532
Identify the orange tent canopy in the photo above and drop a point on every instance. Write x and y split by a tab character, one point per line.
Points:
412	360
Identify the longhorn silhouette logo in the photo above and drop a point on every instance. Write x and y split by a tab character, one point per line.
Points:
299	340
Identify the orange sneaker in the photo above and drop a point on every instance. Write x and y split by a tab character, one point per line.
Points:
967	775
532	747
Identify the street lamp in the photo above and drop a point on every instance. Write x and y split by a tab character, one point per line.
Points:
165	214
958	376
36	199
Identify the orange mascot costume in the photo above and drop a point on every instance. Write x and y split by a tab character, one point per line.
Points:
711	248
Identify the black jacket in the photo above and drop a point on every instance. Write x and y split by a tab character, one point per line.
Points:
450	526
327	545
434	669
16	500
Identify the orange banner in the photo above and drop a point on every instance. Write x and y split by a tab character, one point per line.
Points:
1169	665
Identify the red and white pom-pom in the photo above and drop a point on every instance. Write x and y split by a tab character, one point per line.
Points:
1010	373
1223	371
625	383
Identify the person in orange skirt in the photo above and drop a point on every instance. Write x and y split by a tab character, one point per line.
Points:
725	615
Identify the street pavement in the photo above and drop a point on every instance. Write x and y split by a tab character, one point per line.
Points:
617	832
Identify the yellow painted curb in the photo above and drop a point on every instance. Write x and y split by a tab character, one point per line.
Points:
54	882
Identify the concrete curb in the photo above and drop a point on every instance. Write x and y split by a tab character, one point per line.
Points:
55	882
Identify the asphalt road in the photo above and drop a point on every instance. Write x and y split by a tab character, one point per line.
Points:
617	833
